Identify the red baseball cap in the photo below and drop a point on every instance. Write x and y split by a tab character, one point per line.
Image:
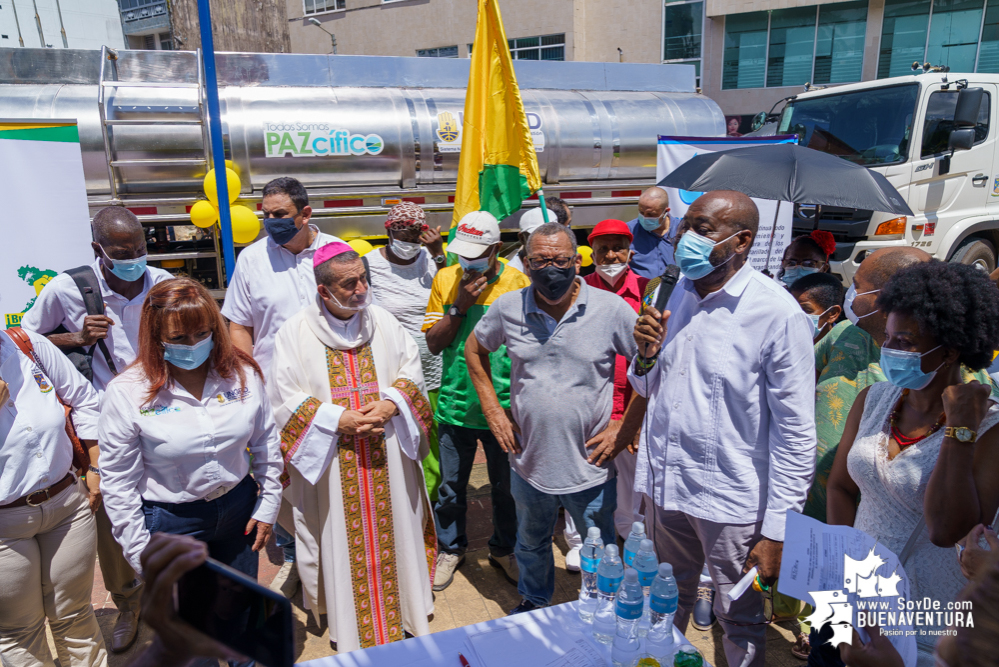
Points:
610	228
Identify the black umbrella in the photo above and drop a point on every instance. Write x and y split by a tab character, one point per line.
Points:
788	172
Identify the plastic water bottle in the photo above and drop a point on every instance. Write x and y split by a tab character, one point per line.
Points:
647	565
662	605
589	557
634	541
628	607
610	573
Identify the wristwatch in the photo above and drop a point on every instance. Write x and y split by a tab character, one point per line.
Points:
961	434
454	312
95	470
440	259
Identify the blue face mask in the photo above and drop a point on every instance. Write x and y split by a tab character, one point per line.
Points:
904	369
649	224
282	230
793	273
692	253
479	265
815	322
188	357
128	270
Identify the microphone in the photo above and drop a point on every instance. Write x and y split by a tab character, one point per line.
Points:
667	282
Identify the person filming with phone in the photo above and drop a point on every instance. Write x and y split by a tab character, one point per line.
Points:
729	447
177	430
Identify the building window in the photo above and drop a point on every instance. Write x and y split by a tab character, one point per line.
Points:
545	47
442	52
839	42
149	42
319	6
745	58
682	28
940	121
791	47
132	4
961	34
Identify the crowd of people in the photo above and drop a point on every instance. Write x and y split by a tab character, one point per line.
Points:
336	402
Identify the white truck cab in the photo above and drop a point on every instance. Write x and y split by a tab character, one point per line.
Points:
905	128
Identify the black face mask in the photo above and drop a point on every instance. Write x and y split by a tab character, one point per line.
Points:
553	282
282	230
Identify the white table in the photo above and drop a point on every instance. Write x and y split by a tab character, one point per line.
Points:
442	648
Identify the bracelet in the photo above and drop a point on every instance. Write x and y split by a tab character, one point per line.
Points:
646	364
96	471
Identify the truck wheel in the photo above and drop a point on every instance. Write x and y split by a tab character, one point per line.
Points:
977	253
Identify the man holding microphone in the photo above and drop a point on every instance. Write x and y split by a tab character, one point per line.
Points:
729	443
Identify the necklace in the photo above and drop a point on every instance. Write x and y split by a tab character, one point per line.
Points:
902	440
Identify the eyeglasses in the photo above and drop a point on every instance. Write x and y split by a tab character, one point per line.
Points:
538	263
807	263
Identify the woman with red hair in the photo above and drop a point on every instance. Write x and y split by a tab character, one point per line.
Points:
177	431
807	254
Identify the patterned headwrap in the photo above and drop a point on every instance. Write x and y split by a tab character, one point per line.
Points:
405	215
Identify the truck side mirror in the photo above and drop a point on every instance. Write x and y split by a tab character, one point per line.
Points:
969	102
761	118
961	140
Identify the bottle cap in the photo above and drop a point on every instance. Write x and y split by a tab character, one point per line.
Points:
665	570
647	546
593	532
611	550
630	575
638	527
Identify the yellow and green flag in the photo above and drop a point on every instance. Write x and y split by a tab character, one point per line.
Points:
498	168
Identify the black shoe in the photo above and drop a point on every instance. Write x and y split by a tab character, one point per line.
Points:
704	614
525	605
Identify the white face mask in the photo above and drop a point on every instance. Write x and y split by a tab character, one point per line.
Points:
357	308
611	272
404	250
851	295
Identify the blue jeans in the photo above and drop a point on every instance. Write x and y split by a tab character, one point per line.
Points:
537	513
457	453
219	523
286	541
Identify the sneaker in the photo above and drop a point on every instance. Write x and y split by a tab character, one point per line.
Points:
525	605
446	565
801	648
572	560
508	565
704	614
287	581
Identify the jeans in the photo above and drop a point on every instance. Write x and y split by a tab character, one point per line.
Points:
286	541
457	451
537	513
220	523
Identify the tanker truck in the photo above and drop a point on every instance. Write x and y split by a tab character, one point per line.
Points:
362	133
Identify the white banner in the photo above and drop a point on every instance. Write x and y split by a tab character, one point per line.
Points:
48	223
674	151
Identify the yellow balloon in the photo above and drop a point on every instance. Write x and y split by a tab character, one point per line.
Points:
232	180
360	246
245	226
229	164
203	214
587	253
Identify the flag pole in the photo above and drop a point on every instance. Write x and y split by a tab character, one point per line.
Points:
544	208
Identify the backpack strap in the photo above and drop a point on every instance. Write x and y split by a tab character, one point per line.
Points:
90	290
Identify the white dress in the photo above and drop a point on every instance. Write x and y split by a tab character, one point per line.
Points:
891	502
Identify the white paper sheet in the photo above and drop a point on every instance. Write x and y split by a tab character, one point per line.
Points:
533	645
839	570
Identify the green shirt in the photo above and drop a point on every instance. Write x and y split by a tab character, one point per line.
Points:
459	403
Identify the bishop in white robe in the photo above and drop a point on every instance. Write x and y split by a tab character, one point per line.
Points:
348	393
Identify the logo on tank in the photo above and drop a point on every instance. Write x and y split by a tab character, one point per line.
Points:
283	139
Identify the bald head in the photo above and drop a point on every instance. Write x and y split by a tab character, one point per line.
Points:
115	224
653	202
728	207
878	267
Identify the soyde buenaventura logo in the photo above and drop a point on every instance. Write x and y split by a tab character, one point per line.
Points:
868	599
288	139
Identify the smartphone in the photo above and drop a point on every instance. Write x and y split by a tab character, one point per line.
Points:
235	610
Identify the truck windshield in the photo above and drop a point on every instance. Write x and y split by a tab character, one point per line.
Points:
869	127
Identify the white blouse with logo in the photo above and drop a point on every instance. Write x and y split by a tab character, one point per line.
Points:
177	449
